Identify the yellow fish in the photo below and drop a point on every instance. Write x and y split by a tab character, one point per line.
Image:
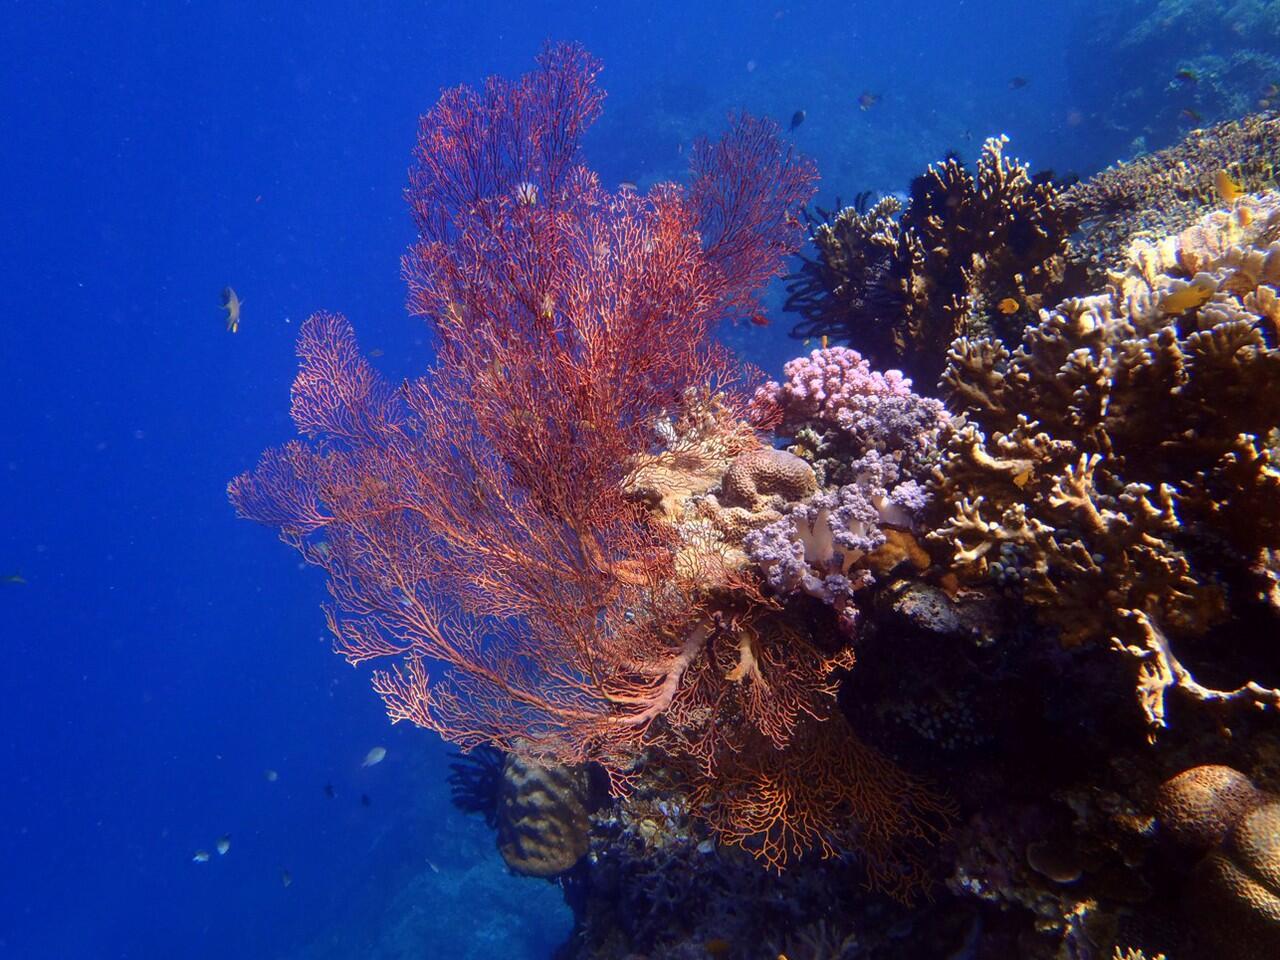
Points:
1007	306
232	304
1188	298
1228	189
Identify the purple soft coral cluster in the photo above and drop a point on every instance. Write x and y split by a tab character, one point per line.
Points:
828	381
836	388
815	548
811	550
873	441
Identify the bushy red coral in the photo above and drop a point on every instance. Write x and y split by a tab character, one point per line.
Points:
473	524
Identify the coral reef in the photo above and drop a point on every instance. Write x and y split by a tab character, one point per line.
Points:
1171	66
480	527
1160	193
746	672
969	252
1113	469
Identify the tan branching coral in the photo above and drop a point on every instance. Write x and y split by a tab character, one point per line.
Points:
1115	469
969	252
1162	192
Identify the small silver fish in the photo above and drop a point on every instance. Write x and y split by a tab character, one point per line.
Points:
232	304
224	844
202	856
271	776
374	756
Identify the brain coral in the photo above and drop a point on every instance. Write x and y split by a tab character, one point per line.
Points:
1115	466
758	474
1199	805
1240	886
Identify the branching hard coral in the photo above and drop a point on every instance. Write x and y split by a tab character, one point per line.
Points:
1163	192
1114	468
970	252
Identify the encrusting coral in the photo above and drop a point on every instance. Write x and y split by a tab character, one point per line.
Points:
1114	468
967	253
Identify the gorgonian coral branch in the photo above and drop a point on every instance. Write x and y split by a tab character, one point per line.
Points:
472	523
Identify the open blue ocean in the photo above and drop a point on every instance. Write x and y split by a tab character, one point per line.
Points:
169	685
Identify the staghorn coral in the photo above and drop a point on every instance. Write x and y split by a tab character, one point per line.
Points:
900	283
1114	469
1163	192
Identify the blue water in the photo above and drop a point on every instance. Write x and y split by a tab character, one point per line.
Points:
161	654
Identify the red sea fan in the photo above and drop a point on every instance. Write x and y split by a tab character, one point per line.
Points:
471	523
